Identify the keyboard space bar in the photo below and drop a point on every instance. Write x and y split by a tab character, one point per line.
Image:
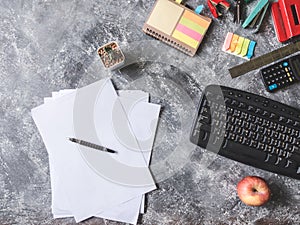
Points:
239	149
255	158
244	154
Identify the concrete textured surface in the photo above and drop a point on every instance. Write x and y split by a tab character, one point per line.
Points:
48	45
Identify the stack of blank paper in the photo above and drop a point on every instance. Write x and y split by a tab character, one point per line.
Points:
86	182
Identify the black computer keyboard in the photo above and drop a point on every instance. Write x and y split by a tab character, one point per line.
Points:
250	129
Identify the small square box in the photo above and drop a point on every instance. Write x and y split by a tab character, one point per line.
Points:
111	55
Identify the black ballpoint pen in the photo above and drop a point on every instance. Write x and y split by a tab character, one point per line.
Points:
91	145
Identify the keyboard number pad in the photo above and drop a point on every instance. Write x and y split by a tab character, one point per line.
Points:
278	76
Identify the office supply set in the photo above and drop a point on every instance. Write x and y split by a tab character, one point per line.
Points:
246	127
231	122
83	129
86	178
181	29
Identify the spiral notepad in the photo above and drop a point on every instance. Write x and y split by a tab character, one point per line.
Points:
177	26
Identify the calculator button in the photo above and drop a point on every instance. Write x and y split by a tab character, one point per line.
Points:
272	87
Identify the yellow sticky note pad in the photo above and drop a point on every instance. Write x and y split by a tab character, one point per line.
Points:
165	16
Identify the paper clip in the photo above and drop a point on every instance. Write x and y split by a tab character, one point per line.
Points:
215	4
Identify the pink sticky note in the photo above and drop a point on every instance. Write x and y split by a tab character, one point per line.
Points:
227	42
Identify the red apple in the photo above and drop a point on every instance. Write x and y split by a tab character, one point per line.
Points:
253	191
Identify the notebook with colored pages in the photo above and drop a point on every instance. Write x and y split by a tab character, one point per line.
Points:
177	26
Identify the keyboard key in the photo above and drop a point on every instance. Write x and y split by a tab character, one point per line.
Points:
270	158
282	119
204	119
279	159
288	163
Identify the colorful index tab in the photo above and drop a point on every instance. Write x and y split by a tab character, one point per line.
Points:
245	47
239	46
251	49
234	42
227	42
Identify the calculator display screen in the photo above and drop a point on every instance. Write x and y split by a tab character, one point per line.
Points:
295	63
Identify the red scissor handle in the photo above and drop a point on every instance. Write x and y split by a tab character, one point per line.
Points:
212	5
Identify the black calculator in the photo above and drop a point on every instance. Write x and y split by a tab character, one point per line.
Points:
281	74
